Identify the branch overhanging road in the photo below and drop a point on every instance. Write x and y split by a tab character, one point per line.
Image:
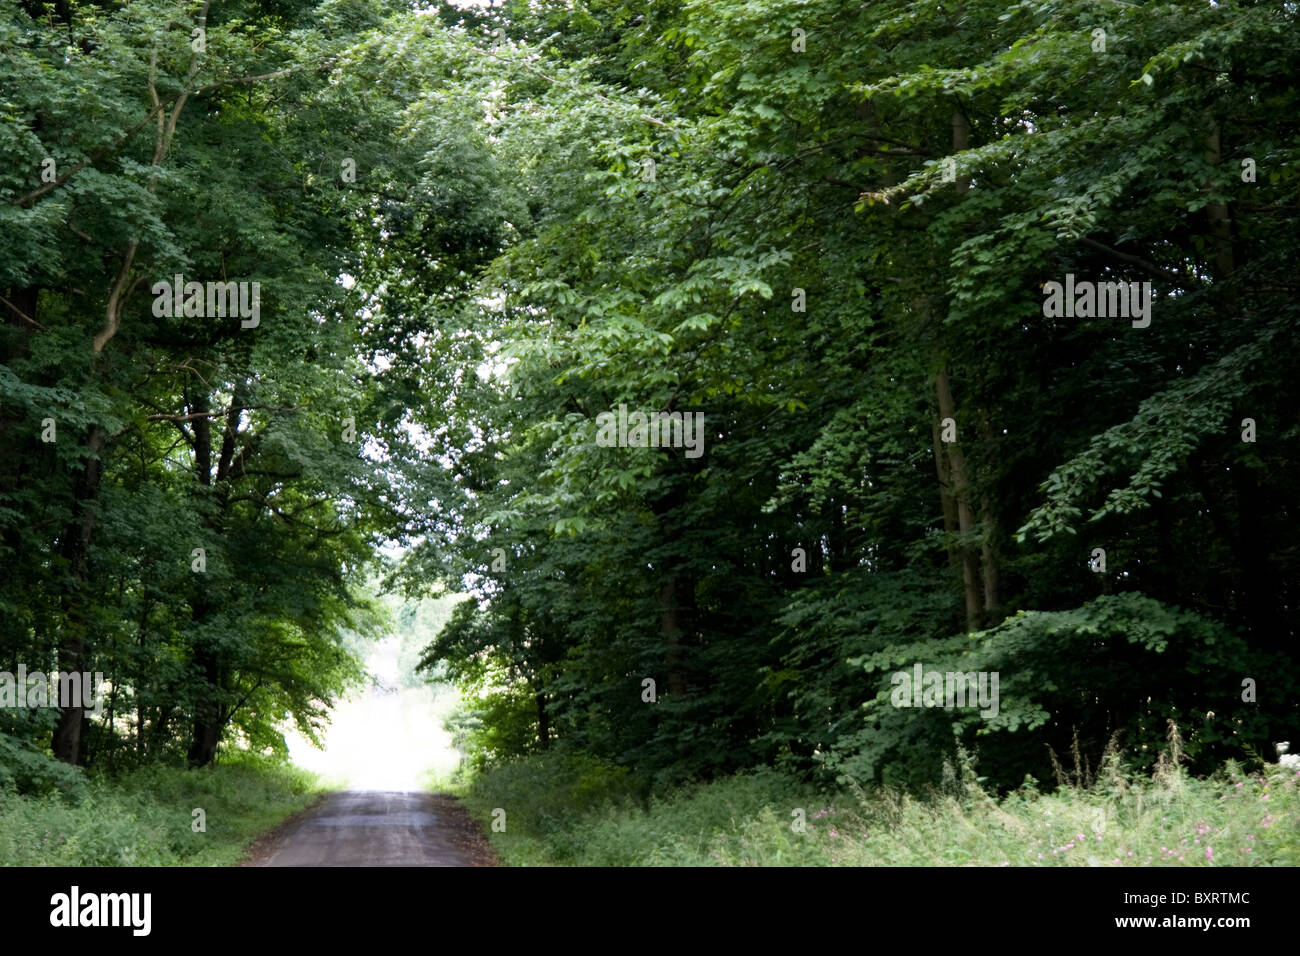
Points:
377	828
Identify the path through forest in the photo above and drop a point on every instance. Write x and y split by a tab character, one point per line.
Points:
377	828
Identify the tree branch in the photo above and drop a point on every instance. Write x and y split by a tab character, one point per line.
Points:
19	313
1145	265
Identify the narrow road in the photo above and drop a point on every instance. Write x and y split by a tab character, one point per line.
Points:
377	828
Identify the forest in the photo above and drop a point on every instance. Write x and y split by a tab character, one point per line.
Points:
851	392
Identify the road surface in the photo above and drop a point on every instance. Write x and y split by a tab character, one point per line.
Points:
377	828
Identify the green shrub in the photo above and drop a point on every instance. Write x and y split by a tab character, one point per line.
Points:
25	769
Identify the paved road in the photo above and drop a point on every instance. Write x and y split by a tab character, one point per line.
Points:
377	828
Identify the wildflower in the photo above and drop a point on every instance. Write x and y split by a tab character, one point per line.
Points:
1209	853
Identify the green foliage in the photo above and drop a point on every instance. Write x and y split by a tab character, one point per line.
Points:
145	818
917	172
1168	818
26	770
825	248
174	435
1119	666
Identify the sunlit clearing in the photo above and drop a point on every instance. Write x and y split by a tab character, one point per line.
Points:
386	737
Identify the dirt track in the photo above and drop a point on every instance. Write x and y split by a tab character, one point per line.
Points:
376	828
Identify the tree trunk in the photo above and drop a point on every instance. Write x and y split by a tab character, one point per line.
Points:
1258	596
676	593
66	744
945	496
989	527
1218	214
208	718
670	630
543	723
960	491
950	462
209	721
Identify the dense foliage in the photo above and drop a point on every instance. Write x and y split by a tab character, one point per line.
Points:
184	505
826	228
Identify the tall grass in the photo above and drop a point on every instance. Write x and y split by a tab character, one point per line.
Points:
565	812
146	818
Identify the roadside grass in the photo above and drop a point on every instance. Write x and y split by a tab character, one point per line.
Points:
567	811
145	818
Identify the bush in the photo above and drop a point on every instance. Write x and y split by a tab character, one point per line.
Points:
27	770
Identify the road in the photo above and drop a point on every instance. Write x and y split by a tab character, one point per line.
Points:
377	828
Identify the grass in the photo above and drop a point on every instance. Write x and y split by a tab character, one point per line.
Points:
578	812
145	818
